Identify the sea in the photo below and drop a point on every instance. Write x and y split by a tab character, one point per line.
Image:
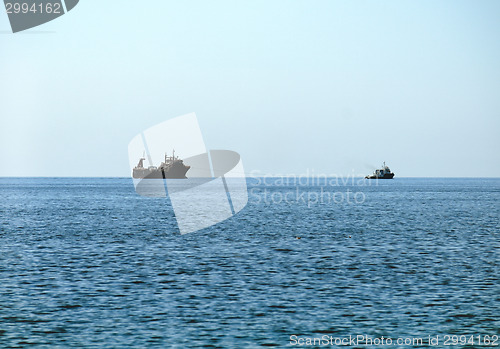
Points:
307	263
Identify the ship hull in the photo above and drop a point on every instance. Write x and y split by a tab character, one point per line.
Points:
176	171
385	176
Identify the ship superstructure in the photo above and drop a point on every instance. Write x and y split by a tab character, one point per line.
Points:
383	173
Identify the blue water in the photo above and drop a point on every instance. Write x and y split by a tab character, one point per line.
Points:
89	263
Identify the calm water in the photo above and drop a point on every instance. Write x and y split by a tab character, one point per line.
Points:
89	263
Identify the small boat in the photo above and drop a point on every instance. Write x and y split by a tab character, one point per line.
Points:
383	173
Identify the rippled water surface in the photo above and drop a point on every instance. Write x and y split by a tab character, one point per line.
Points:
89	263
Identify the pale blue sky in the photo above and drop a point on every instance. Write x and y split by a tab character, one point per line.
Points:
331	86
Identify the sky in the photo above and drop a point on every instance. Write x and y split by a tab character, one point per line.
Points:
319	87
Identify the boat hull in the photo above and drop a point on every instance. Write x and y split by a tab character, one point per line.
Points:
175	171
385	176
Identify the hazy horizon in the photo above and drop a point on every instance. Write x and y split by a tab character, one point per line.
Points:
263	176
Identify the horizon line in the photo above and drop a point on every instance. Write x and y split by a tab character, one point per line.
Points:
268	176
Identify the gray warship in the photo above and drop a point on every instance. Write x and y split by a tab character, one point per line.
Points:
172	168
